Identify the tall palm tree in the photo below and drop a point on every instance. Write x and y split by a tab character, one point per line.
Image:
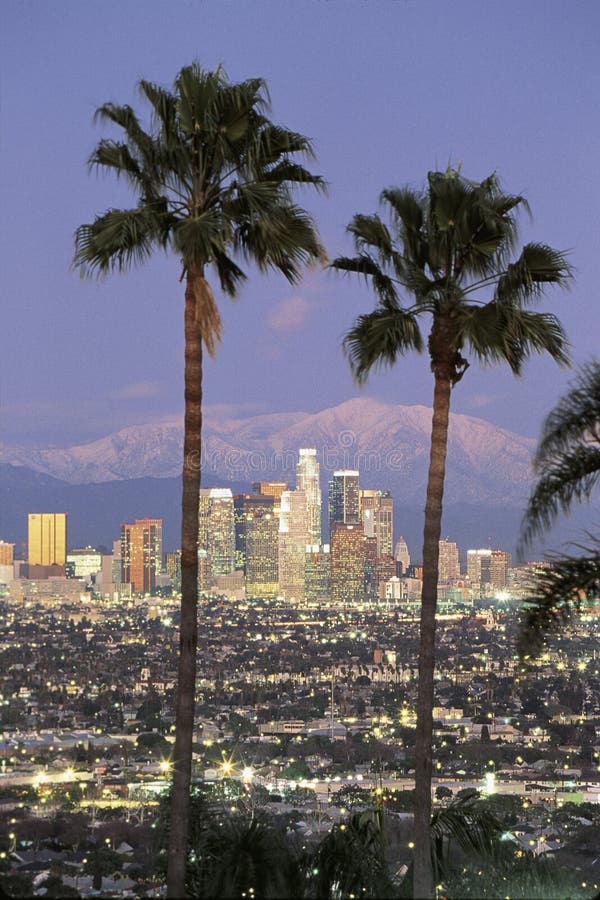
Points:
213	178
447	248
567	462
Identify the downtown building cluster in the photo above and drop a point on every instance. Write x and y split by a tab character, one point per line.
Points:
275	541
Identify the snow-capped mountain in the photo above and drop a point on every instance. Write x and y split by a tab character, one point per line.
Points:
388	444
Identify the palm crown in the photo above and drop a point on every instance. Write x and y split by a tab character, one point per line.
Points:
213	176
448	249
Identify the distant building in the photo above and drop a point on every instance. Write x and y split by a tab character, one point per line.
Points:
83	563
261	546
449	562
402	556
308	480
141	554
47	539
347	563
173	567
270	489
7	554
293	539
377	515
217	529
343	499
479	566
318	572
500	567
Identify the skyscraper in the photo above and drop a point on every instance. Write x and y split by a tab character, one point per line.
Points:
307	480
500	565
377	516
343	499
141	554
47	539
347	563
449	561
293	539
217	529
261	546
401	555
318	572
478	566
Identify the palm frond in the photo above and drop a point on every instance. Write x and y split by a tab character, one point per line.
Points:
379	338
537	266
350	861
497	333
467	823
569	478
285	240
574	420
365	265
560	589
117	240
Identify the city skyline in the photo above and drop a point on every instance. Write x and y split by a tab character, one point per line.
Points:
74	351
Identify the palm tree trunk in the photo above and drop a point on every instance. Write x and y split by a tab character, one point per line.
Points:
423	873
188	632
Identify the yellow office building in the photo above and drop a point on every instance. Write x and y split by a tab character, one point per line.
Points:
47	539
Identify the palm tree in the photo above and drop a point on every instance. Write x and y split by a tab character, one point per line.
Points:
567	462
350	861
448	249
213	179
243	857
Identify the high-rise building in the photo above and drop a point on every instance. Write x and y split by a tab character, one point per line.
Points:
173	567
318	572
47	539
84	562
449	562
261	546
293	540
343	499
478	566
377	516
402	556
307	480
347	563
141	554
500	566
217	529
7	554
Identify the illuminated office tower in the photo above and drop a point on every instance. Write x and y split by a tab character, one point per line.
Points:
173	567
217	529
478	565
449	562
141	554
377	516
246	508
402	556
293	539
318	572
343	499
84	562
307	480
500	566
347	563
47	539
261	547
7	554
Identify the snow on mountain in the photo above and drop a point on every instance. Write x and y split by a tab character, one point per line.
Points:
389	444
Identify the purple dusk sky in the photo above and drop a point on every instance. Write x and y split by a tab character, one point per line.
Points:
386	90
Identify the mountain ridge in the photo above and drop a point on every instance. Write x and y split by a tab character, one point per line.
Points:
388	443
